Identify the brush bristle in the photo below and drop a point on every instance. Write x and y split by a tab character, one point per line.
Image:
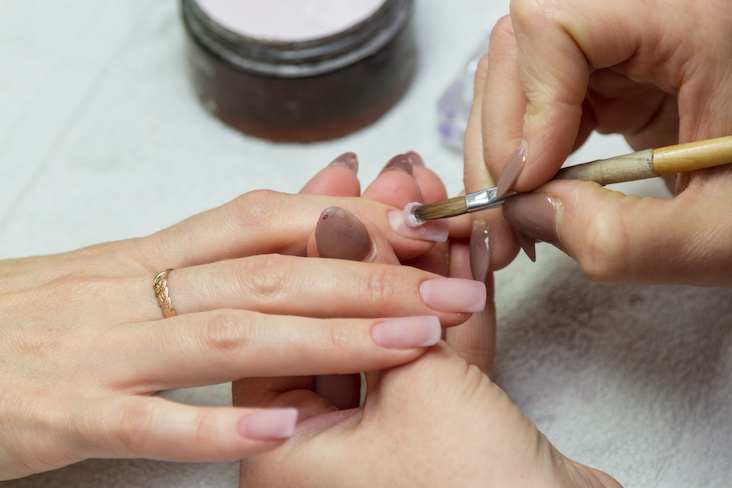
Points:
443	209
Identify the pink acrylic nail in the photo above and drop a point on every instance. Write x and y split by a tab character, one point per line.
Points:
407	332
454	295
269	424
433	230
409	218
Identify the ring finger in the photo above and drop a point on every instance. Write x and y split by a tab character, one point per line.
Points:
288	285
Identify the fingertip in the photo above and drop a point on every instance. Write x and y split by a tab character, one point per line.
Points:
400	162
545	149
407	332
430	184
267	425
433	230
349	160
395	185
337	179
415	159
455	295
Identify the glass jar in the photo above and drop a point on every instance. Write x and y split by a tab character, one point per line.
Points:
325	69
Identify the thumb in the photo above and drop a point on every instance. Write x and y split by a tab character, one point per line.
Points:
439	400
619	238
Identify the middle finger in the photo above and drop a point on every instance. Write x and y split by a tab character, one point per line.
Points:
289	285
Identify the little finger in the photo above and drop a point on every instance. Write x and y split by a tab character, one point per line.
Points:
155	428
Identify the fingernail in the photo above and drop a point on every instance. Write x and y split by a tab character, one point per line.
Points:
269	424
399	162
415	159
407	332
408	214
349	160
480	255
511	171
432	230
454	295
341	235
535	215
528	244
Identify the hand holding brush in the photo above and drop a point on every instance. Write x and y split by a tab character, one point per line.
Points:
628	239
640	165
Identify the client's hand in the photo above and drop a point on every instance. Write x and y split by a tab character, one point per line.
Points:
83	342
436	422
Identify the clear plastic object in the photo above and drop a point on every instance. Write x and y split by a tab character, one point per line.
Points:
453	107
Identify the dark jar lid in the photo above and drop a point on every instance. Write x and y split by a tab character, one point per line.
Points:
303	89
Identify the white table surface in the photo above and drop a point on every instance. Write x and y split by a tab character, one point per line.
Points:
101	138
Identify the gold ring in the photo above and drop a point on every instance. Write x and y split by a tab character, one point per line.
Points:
160	285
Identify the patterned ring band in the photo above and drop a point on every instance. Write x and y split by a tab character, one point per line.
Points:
160	285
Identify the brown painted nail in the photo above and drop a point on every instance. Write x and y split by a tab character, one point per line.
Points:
341	235
535	215
480	256
415	158
400	162
511	171
528	244
349	160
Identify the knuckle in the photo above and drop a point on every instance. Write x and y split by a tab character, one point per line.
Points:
263	276
37	419
134	429
530	12
380	289
336	339
604	254
256	207
203	433
225	332
475	381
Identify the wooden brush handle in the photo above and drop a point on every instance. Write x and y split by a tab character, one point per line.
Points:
629	167
693	155
653	162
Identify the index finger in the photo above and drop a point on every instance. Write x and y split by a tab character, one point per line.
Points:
262	222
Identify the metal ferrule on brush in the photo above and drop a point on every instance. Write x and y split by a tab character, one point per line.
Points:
452	207
483	200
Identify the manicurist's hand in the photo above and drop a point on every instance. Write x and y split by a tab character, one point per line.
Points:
656	72
84	342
